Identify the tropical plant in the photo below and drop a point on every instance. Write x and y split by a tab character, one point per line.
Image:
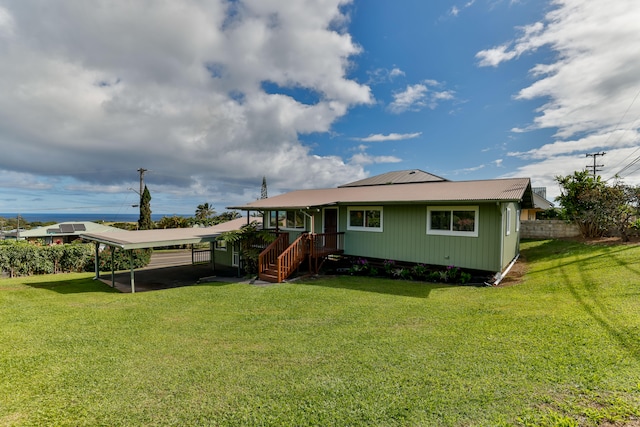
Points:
174	221
204	212
252	239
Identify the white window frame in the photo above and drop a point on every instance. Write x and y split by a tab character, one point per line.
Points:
451	231
364	210
218	247
235	255
295	212
507	226
518	213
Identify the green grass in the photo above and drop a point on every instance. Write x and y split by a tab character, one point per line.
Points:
560	349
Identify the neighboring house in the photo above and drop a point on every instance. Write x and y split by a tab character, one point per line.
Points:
65	232
409	216
540	204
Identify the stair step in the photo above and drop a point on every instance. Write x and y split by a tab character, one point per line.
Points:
273	278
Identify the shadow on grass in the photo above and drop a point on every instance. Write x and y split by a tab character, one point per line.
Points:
584	294
553	249
403	288
144	280
626	337
71	286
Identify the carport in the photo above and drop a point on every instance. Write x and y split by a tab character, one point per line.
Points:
145	239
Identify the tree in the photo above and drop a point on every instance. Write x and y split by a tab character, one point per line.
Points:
174	221
204	212
623	203
145	222
596	207
582	198
226	216
263	190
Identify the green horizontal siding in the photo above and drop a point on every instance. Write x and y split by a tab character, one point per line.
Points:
404	238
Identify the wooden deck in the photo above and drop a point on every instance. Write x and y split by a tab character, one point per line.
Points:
277	262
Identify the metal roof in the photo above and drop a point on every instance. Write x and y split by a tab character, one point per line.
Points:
410	176
540	202
74	228
141	239
510	189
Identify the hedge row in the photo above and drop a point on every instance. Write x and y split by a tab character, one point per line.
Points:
26	259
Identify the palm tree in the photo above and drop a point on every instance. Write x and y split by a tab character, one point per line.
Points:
204	212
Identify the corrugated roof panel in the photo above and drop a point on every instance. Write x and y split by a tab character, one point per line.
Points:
441	191
410	176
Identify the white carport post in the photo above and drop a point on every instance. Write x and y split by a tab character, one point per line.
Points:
113	269
133	284
97	262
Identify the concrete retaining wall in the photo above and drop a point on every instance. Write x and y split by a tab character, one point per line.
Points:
548	229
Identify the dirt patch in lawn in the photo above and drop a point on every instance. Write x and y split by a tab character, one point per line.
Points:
516	274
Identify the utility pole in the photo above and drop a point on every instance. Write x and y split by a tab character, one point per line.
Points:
142	171
596	167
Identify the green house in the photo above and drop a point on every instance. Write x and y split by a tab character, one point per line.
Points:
410	216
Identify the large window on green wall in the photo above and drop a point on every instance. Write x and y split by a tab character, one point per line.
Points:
290	220
364	218
294	220
452	220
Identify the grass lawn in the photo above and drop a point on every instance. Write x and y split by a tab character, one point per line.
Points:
561	348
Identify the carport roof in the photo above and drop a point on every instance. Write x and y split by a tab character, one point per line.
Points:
141	239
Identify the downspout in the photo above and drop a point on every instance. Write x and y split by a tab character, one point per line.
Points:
311	220
499	276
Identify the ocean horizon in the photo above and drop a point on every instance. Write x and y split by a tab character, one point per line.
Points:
80	217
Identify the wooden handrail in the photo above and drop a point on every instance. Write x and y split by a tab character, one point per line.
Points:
326	243
293	256
269	256
286	259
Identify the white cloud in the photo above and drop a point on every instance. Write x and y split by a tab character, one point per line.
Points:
178	88
378	137
384	75
593	80
418	96
589	87
455	10
367	159
395	72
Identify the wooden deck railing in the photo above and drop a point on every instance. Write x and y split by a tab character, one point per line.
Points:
324	244
293	256
279	260
269	256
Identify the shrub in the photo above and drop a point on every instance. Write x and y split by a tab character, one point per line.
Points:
419	271
360	267
24	258
121	259
402	273
389	265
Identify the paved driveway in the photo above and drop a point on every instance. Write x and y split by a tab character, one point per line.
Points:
165	270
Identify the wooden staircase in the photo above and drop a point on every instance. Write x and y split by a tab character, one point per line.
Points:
278	261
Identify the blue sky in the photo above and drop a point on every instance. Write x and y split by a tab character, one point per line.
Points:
210	96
